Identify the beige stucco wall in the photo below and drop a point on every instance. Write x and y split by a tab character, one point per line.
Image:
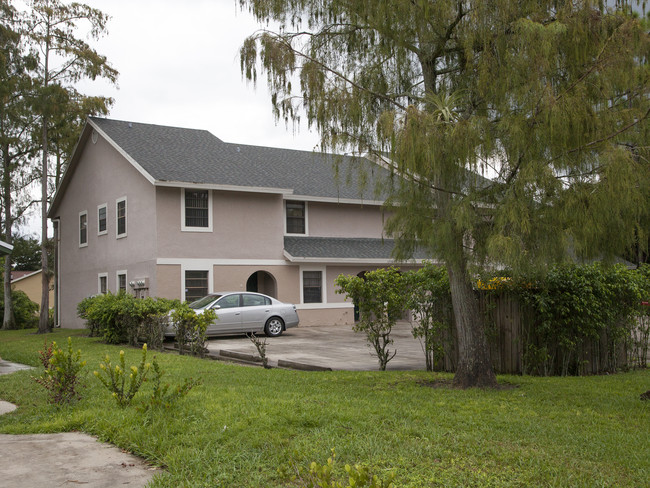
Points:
245	226
102	177
31	285
326	316
344	220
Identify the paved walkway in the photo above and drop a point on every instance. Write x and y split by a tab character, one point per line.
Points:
68	459
331	347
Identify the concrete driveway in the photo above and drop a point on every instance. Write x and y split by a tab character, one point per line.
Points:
325	347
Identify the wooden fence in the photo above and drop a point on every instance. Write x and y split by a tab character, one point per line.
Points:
515	348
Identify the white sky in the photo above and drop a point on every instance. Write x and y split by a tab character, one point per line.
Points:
179	66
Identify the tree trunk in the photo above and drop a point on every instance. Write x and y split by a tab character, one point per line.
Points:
474	366
43	322
9	319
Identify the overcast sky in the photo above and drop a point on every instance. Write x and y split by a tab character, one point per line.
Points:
179	66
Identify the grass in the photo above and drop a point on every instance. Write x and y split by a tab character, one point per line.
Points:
243	423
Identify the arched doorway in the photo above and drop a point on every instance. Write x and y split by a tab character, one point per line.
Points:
262	282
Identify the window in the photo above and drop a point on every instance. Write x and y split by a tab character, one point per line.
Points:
120	216
196	210
83	229
296	217
312	287
255	300
196	285
101	220
229	301
102	283
121	281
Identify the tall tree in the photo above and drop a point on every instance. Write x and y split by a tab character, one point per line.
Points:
16	145
544	97
64	58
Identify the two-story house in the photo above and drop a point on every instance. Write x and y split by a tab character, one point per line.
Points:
178	213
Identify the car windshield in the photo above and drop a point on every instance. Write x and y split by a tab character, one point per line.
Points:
204	302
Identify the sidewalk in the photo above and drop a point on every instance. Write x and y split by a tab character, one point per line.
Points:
68	459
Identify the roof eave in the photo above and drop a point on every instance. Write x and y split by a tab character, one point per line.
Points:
334	260
215	186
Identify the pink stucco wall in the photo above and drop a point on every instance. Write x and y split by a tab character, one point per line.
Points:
103	177
245	226
344	220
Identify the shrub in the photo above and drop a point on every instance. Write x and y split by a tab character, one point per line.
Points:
260	345
429	298
381	298
191	329
61	372
325	476
576	308
162	395
25	310
115	378
122	318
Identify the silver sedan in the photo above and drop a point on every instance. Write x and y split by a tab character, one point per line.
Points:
243	312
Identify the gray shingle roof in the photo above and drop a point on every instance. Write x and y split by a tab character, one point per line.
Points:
342	248
314	174
173	154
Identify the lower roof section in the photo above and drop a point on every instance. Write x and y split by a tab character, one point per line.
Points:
341	250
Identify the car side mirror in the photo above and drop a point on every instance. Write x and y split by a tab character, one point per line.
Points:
215	307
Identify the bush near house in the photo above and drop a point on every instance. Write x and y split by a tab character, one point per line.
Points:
25	310
122	318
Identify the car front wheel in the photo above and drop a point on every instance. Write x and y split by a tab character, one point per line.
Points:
273	327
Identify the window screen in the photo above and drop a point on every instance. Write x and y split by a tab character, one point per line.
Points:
196	208
121	217
312	286
196	285
295	217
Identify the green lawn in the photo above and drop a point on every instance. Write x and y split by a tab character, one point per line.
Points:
243	423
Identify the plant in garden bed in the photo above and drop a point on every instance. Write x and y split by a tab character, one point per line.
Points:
61	375
327	475
123	318
115	378
381	298
162	395
191	329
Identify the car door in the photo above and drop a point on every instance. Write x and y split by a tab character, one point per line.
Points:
229	315
255	310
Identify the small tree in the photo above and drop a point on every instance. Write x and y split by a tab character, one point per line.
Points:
191	329
381	298
429	298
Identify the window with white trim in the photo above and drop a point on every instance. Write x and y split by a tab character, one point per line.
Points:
196	284
83	228
102	219
120	217
312	287
121	281
196	208
102	283
296	213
